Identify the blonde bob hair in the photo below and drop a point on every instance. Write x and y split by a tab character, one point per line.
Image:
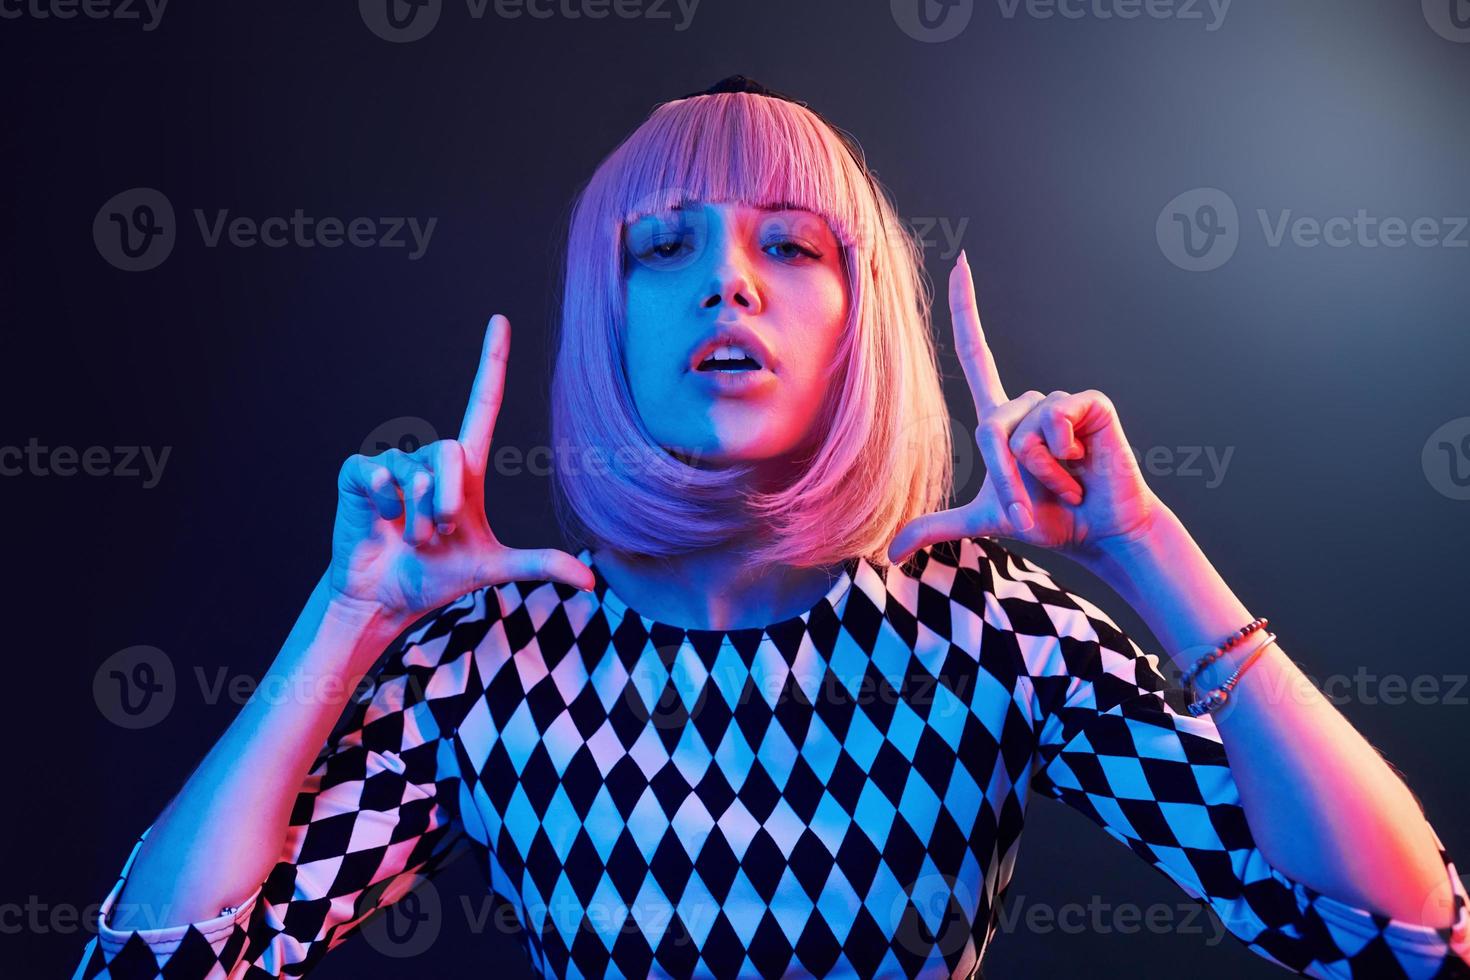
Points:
883	455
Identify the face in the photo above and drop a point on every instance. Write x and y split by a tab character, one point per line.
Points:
772	277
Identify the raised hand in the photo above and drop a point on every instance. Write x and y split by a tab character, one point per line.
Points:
1058	470
411	532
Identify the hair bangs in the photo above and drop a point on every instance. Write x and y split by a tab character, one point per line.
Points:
883	456
753	150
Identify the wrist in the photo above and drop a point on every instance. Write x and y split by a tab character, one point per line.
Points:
1162	573
335	639
1218	672
373	622
349	615
1119	559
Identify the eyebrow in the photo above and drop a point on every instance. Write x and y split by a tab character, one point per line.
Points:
778	206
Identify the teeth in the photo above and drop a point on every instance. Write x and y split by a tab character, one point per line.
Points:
728	352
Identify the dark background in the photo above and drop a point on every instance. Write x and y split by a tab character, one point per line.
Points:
1053	143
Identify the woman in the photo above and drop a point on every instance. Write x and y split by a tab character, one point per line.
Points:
779	715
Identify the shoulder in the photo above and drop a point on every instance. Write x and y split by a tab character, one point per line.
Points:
525	620
432	636
437	655
450	656
1013	593
981	562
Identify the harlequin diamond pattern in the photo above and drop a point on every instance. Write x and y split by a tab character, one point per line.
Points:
839	794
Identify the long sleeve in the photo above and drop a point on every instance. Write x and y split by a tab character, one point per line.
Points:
376	814
1115	743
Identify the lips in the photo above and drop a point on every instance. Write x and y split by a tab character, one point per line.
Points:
735	384
728	357
732	333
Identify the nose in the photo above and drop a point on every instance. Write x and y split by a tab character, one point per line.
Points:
731	283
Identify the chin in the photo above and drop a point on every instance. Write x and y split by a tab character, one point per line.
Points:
746	452
772	469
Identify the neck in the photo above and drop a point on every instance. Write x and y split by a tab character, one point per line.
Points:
712	589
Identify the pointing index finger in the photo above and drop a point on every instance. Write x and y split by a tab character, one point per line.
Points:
485	395
969	340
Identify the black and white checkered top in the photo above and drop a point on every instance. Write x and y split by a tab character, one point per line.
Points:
841	793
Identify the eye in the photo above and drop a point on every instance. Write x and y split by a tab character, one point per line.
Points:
794	249
662	247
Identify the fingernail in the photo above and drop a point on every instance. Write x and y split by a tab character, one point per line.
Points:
964	259
1072	497
446	527
1021	516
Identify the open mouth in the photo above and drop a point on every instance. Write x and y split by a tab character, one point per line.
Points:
729	358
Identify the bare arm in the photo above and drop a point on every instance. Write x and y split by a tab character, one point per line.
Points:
1322	803
1060	473
218	838
411	535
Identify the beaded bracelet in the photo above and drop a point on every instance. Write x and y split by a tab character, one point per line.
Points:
1221	694
1231	642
